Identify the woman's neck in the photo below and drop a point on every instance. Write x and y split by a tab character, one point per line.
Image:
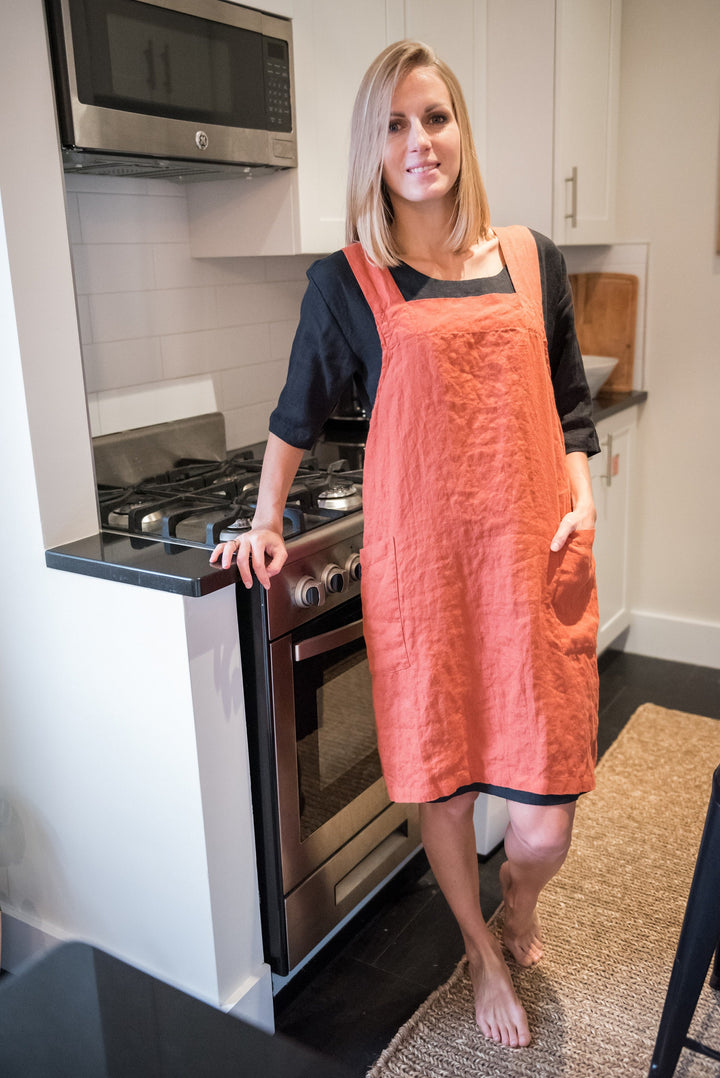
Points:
422	237
438	260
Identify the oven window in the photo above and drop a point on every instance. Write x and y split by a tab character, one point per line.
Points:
337	756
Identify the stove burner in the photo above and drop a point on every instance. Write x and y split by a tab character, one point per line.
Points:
242	524
205	502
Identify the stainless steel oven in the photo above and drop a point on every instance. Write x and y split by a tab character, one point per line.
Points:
316	771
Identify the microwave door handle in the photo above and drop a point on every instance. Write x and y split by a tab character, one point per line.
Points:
149	54
316	645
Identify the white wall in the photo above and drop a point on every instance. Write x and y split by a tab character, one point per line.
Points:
669	171
124	787
165	335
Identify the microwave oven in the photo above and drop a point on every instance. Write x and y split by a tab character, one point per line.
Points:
180	89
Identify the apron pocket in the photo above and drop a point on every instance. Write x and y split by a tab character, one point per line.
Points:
382	620
572	594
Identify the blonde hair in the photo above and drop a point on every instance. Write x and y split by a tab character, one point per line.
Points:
369	210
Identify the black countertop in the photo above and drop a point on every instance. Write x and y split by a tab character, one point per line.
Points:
80	1013
146	563
186	570
607	404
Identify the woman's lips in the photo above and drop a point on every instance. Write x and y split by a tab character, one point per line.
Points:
417	170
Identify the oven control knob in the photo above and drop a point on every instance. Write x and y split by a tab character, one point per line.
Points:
352	567
333	578
308	592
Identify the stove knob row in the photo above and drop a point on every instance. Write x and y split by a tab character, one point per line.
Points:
309	591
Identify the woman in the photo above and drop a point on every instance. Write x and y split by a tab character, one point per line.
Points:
478	587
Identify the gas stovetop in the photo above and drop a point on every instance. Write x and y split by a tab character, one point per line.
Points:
205	502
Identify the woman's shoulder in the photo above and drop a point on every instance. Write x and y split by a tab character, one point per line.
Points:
326	271
334	279
546	247
552	262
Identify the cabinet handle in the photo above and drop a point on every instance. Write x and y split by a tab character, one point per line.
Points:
608	476
572	180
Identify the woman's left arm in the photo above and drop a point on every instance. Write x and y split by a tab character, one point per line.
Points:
582	514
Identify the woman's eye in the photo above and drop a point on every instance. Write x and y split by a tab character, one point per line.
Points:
393	127
439	118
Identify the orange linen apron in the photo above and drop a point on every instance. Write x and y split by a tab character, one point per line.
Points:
481	640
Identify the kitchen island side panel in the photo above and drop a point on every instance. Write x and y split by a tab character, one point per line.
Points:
105	770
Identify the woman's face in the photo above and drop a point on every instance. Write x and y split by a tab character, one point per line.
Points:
421	161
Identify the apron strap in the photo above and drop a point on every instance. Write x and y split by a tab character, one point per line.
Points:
520	252
377	284
516	242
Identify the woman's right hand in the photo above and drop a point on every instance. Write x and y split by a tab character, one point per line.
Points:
264	546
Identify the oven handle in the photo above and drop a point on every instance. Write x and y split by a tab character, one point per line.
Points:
316	645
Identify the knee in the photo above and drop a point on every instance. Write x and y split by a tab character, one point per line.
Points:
546	838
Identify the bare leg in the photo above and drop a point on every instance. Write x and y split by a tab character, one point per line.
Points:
536	844
449	840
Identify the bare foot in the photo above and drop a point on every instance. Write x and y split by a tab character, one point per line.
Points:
521	925
498	1011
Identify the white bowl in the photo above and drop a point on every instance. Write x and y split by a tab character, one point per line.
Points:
597	371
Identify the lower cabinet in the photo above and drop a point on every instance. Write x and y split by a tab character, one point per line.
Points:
611	480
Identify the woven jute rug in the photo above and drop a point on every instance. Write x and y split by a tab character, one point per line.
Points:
611	921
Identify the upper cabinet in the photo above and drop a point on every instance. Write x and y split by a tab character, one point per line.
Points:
587	76
553	78
540	78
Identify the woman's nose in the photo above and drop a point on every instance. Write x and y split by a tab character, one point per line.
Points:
418	138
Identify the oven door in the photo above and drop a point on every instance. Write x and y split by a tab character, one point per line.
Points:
330	784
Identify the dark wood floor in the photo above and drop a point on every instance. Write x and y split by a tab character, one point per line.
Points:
352	1000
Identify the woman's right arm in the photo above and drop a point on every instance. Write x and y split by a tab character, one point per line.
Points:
265	539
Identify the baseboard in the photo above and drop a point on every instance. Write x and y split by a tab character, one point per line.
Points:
681	640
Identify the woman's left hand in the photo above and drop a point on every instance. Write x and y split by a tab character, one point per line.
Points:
576	521
583	515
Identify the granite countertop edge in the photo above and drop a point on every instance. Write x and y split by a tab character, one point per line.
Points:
184	570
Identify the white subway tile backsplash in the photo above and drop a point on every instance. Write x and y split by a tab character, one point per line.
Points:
116	364
251	385
130	219
160	402
265	302
215	349
166	335
175	268
113	267
281	338
120	315
288	267
82	304
117	316
244	426
72	210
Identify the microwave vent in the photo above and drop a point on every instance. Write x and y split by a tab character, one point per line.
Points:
79	162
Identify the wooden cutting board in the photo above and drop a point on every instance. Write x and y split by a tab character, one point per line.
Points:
605	318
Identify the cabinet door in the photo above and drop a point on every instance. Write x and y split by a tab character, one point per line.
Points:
587	58
517	162
610	472
335	41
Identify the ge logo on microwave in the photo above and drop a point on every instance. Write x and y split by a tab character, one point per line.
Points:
201	140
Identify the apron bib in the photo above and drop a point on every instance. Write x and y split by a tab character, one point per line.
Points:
481	640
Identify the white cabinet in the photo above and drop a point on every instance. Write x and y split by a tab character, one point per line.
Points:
611	472
553	77
587	73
